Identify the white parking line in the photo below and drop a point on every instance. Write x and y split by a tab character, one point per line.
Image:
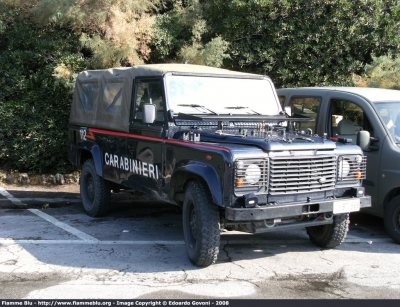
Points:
66	227
11	198
85	237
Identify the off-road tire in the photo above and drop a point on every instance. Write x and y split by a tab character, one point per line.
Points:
201	225
331	235
391	219
95	191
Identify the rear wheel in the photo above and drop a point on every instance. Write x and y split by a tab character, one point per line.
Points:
95	191
392	219
201	226
331	235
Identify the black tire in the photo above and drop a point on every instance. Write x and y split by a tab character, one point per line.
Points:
95	191
201	225
392	219
331	235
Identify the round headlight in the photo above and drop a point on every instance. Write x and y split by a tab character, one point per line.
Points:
344	168
252	174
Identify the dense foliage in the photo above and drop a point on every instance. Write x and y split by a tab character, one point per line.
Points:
305	42
383	72
182	35
43	45
34	108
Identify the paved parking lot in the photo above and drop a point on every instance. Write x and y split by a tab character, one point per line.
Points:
49	248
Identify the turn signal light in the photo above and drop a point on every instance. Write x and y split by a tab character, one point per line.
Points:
239	182
358	174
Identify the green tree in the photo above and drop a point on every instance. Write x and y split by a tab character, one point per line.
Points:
383	72
34	104
43	45
305	42
170	35
117	32
182	35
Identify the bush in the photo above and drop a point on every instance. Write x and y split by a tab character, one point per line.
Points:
34	99
170	35
383	72
182	36
305	42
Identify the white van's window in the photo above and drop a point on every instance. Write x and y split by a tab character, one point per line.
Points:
390	113
352	113
282	101
347	119
307	106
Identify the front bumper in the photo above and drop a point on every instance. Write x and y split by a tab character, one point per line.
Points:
292	210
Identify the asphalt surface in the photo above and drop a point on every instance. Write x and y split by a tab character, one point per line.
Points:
50	249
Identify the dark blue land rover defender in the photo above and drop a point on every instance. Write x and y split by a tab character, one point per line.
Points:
215	143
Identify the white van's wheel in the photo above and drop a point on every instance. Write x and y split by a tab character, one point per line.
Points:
201	227
392	219
95	191
331	235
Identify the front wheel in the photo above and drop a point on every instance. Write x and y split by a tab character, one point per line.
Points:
331	235
392	219
201	226
95	190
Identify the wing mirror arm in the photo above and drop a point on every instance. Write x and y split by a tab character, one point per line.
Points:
364	140
373	147
288	110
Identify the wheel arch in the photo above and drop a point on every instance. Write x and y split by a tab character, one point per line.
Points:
195	171
389	196
95	154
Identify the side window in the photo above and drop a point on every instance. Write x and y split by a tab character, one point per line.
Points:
347	119
148	92
88	95
307	106
390	113
112	98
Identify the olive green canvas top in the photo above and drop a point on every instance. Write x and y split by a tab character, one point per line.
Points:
102	98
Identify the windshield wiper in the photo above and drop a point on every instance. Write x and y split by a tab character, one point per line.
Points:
198	106
304	138
240	107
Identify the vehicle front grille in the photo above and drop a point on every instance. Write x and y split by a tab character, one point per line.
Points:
291	175
286	175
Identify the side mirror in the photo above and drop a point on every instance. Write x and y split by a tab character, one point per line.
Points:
149	113
363	138
171	115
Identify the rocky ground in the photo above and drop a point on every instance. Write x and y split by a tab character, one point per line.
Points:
54	182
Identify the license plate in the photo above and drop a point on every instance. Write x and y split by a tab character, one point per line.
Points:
348	205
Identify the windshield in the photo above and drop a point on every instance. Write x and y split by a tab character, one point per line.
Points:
390	113
220	95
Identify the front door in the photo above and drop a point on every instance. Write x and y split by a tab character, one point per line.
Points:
357	114
145	142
